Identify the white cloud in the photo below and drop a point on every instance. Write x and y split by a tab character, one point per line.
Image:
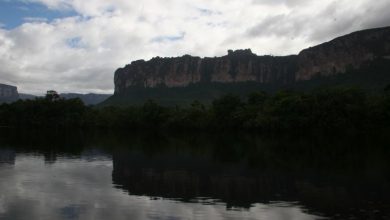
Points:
81	53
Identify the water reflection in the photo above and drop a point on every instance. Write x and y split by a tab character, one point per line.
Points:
7	156
180	176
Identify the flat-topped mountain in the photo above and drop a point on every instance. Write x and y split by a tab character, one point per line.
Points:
367	51
343	53
334	57
8	93
237	66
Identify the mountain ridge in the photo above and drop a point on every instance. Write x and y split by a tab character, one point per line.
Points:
87	99
361	58
329	58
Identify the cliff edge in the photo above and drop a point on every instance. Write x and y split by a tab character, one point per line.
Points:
8	93
335	57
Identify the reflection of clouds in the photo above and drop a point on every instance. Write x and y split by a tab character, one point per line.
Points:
80	189
2	205
7	156
72	211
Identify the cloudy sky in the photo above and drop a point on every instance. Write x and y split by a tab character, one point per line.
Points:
76	45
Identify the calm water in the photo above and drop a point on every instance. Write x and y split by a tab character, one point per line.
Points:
79	175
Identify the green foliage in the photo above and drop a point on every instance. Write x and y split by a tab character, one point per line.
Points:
43	112
153	114
52	95
324	109
226	111
372	77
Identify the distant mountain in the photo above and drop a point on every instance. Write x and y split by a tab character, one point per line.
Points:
25	96
361	58
88	99
8	93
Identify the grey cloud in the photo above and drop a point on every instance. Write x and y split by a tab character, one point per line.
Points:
8	72
7	77
290	3
268	26
283	25
208	12
333	21
377	14
338	21
81	53
99	78
330	21
161	39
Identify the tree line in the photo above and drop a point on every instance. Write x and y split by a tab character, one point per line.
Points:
332	108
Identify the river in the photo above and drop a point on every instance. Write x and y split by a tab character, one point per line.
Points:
149	175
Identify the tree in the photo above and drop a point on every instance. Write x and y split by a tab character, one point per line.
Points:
52	95
226	109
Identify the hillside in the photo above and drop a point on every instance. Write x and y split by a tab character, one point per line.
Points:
88	99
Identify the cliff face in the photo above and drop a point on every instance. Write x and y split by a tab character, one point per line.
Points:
340	54
334	57
237	66
8	93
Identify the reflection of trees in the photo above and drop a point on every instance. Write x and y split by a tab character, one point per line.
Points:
186	178
49	143
7	156
331	174
344	183
50	157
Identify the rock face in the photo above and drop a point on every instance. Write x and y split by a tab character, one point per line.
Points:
8	93
334	57
340	54
237	66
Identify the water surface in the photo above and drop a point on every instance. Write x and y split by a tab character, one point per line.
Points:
101	175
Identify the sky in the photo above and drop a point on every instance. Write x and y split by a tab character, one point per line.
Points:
76	45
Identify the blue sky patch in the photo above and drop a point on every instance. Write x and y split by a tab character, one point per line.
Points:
75	42
14	13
